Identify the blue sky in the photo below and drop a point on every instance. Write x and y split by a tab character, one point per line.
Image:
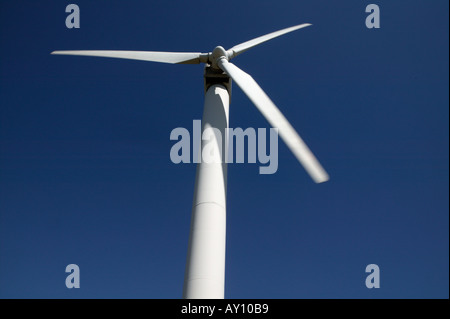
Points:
86	176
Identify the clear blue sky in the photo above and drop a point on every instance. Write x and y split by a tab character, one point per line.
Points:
86	177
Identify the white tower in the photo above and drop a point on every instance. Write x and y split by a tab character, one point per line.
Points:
205	265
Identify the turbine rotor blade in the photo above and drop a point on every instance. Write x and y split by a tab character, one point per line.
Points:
240	48
164	57
276	119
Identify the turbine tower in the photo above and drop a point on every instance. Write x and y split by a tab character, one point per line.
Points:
205	265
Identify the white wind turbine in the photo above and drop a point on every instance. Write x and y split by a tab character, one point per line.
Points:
205	265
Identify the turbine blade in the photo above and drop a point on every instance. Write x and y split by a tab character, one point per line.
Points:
238	49
276	119
165	57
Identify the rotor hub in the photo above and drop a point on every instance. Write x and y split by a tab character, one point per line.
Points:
217	54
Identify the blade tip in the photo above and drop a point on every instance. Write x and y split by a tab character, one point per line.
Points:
322	179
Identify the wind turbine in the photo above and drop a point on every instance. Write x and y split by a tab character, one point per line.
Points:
205	265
